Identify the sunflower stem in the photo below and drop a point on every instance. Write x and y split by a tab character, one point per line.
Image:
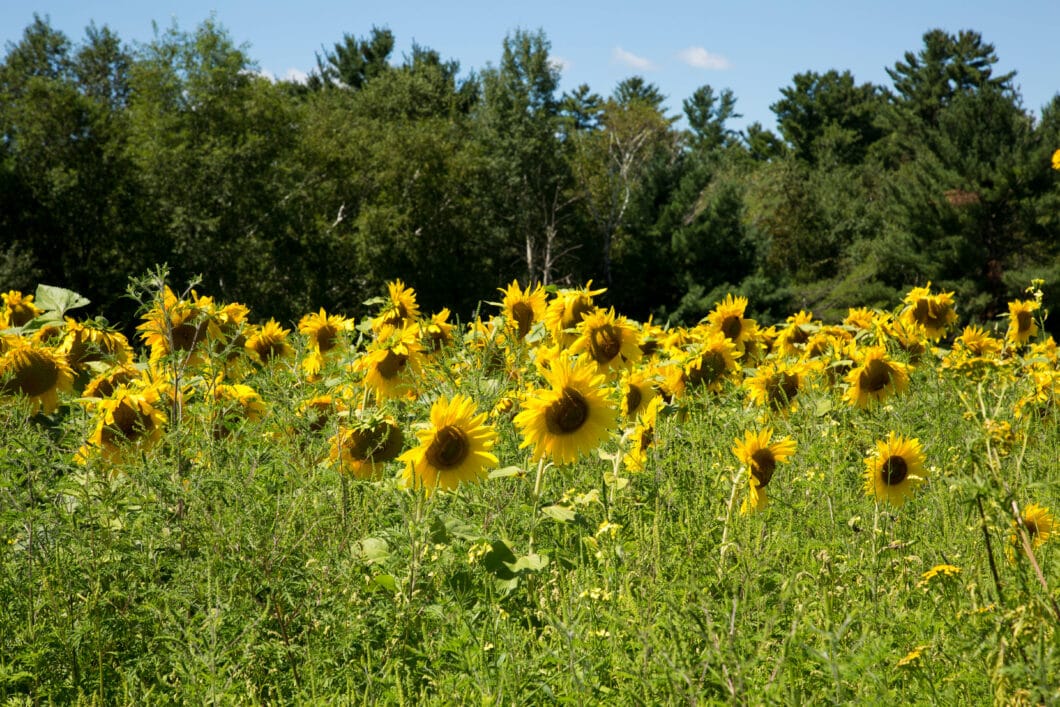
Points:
345	501
990	551
728	517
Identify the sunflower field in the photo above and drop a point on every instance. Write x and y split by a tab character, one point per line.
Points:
550	502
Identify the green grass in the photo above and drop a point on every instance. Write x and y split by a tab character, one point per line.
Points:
243	569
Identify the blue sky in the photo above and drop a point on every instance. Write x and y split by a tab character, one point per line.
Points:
754	48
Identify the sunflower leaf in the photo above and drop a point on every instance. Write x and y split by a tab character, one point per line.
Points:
532	562
563	514
58	299
506	472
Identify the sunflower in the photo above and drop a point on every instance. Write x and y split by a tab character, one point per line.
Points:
610	341
39	373
174	324
363	446
860	318
438	332
760	457
895	469
104	384
85	342
322	330
523	308
128	419
791	340
1037	521
18	309
233	404
391	365
708	363
267	342
935	313
727	317
876	378
399	309
639	387
566	310
642	437
1056	160
454	448
572	417
1021	324
776	384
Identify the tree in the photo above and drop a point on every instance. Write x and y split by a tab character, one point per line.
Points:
707	115
353	62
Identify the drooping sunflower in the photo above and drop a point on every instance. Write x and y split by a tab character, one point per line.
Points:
365	443
875	378
18	309
234	403
391	366
438	332
104	384
267	342
40	373
638	386
791	340
609	341
760	456
860	318
572	417
175	325
129	419
1021	325
935	313
86	342
895	469
566	310
523	308
322	330
776	384
641	438
1056	160
1037	521
454	448
399	308
727	317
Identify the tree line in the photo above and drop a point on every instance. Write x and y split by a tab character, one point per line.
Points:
289	196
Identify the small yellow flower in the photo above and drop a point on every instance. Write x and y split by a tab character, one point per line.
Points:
937	570
913	656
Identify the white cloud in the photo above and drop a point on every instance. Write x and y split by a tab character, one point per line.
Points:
702	59
559	63
296	75
632	60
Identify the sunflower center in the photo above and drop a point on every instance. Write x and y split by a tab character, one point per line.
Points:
782	388
893	471
380	443
523	314
647	436
605	343
930	313
567	414
186	335
633	398
20	314
581	305
449	448
1024	321
325	337
129	423
708	369
731	327
875	376
392	364
36	376
799	335
763	464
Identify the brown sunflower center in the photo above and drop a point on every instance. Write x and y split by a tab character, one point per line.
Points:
129	424
731	326
392	364
763	464
782	388
633	398
708	369
647	436
894	470
799	335
568	413
1024	321
875	376
326	337
37	374
380	443
186	335
20	314
605	342
1031	527
930	313
523	314
581	305
449	448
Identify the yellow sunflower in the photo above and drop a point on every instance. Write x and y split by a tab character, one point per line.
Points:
399	309
860	318
791	340
876	378
438	332
895	469
391	366
86	342
610	341
776	384
564	313
523	308
1056	160
935	313
1037	521
639	387
127	420
708	363
267	342
365	443
39	373
1021	324
322	330
727	317
455	447
234	403
104	384
18	309
571	418
641	438
760	456
176	325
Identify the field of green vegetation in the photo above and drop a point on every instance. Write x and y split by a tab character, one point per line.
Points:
549	503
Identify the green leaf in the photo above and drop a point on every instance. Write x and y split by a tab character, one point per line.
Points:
532	562
58	299
506	472
371	550
383	582
561	513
